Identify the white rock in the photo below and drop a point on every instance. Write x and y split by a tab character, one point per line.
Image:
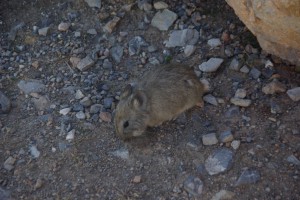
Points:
180	38
70	135
163	20
235	144
210	99
80	115
211	65
215	42
189	50
94	3
223	194
43	31
34	151
294	93
79	94
64	111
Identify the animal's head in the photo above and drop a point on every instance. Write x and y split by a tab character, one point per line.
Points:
131	114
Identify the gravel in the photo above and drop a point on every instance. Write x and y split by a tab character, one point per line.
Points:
163	20
211	65
220	161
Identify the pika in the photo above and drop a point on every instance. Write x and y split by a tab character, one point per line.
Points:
160	95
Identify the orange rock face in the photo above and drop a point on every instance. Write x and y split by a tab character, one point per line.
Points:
275	23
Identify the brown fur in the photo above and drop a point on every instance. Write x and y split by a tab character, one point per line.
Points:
161	95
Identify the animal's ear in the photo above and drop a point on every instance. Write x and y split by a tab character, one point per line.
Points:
127	91
139	100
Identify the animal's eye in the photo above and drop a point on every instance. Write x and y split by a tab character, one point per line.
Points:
126	124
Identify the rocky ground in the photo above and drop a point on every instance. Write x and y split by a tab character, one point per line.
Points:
64	64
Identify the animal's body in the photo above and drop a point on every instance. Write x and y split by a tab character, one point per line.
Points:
160	95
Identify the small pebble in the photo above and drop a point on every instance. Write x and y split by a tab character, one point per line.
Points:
105	116
209	139
240	102
235	144
294	93
80	115
240	93
226	136
70	136
64	111
63	26
137	179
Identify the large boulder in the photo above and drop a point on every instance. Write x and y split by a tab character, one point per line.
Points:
275	23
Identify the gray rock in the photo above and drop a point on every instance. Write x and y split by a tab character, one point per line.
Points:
232	111
235	144
209	139
121	153
80	115
95	108
234	65
154	61
63	26
9	163
4	195
248	176
211	65
43	31
219	161
94	3
180	38
62	146
193	185
77	107
274	87
116	53
240	93
151	49
34	151
86	102
135	45
226	136
107	64
189	50
107	102
41	102
292	159
255	73
294	93
159	5
85	63
79	94
163	20
92	31
240	102
144	5
210	99
64	111
214	42
31	86
222	195
5	103
275	107
245	69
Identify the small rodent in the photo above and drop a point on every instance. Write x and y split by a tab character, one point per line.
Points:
161	95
